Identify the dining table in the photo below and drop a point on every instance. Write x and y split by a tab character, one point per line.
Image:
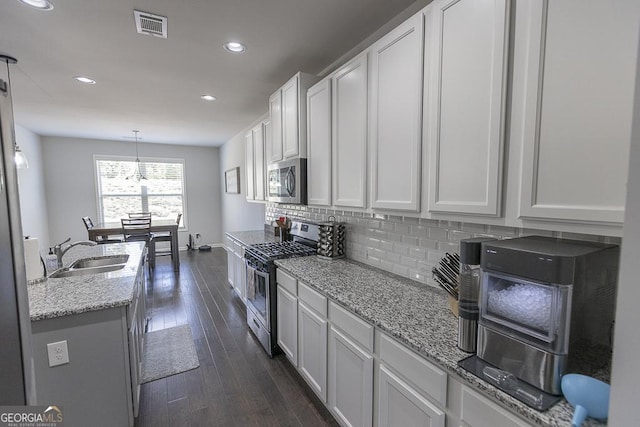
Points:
106	229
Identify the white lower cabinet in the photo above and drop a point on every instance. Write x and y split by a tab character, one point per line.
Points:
235	268
411	391
231	267
350	381
287	314
478	411
240	286
401	405
312	346
364	376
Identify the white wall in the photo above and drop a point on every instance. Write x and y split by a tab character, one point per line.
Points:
625	376
69	172
237	213
31	186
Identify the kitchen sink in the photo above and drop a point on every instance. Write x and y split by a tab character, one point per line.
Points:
100	261
71	272
95	265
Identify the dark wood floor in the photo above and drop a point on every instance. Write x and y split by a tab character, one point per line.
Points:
237	384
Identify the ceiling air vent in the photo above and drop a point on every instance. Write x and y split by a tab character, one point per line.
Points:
147	23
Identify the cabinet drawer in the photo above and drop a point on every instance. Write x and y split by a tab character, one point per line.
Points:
426	377
478	411
357	328
287	281
228	242
313	299
238	248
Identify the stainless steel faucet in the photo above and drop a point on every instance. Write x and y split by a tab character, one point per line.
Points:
60	252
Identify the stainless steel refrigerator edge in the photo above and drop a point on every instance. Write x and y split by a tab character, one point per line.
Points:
16	362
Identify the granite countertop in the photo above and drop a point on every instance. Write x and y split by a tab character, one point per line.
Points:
73	295
251	237
415	314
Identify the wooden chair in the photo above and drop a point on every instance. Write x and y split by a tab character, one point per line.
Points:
164	237
88	223
135	215
139	230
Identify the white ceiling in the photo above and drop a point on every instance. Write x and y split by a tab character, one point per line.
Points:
154	84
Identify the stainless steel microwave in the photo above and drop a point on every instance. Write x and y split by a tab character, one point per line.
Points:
287	181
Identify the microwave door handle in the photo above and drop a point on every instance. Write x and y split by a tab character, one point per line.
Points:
290	182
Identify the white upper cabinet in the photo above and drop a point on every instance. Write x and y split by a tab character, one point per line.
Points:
395	109
349	139
259	162
319	144
290	119
465	109
288	116
274	150
249	165
572	86
255	163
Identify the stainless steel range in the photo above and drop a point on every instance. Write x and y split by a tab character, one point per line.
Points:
261	279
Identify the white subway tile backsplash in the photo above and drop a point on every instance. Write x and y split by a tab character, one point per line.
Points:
408	246
419	231
408	261
410	240
387	226
428	243
400	270
402	228
419	253
449	246
456	236
429	222
386	245
438	233
410	220
474	228
401	249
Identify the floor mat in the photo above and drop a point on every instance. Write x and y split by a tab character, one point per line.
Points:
168	352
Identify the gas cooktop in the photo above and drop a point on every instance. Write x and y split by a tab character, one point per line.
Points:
276	250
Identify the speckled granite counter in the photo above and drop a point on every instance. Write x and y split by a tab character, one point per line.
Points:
415	314
72	295
251	237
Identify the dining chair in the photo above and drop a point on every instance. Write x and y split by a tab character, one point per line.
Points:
134	215
165	237
139	230
88	223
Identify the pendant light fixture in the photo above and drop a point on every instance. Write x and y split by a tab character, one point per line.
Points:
21	160
137	175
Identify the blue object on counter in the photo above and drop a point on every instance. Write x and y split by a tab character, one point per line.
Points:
589	397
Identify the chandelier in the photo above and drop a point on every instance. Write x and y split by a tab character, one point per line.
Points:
137	175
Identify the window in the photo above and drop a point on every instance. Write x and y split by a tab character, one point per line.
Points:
162	193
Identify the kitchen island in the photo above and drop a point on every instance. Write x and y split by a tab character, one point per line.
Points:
99	319
417	316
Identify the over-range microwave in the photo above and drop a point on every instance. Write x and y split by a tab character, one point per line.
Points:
287	181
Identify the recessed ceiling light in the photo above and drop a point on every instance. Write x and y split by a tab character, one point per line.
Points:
38	4
235	47
208	97
86	80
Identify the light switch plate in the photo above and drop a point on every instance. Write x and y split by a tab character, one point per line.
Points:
58	353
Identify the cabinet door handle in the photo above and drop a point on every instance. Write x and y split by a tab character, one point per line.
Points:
256	322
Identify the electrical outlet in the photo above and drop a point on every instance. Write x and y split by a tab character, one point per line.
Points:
58	353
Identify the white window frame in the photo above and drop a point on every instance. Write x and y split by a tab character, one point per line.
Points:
98	191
